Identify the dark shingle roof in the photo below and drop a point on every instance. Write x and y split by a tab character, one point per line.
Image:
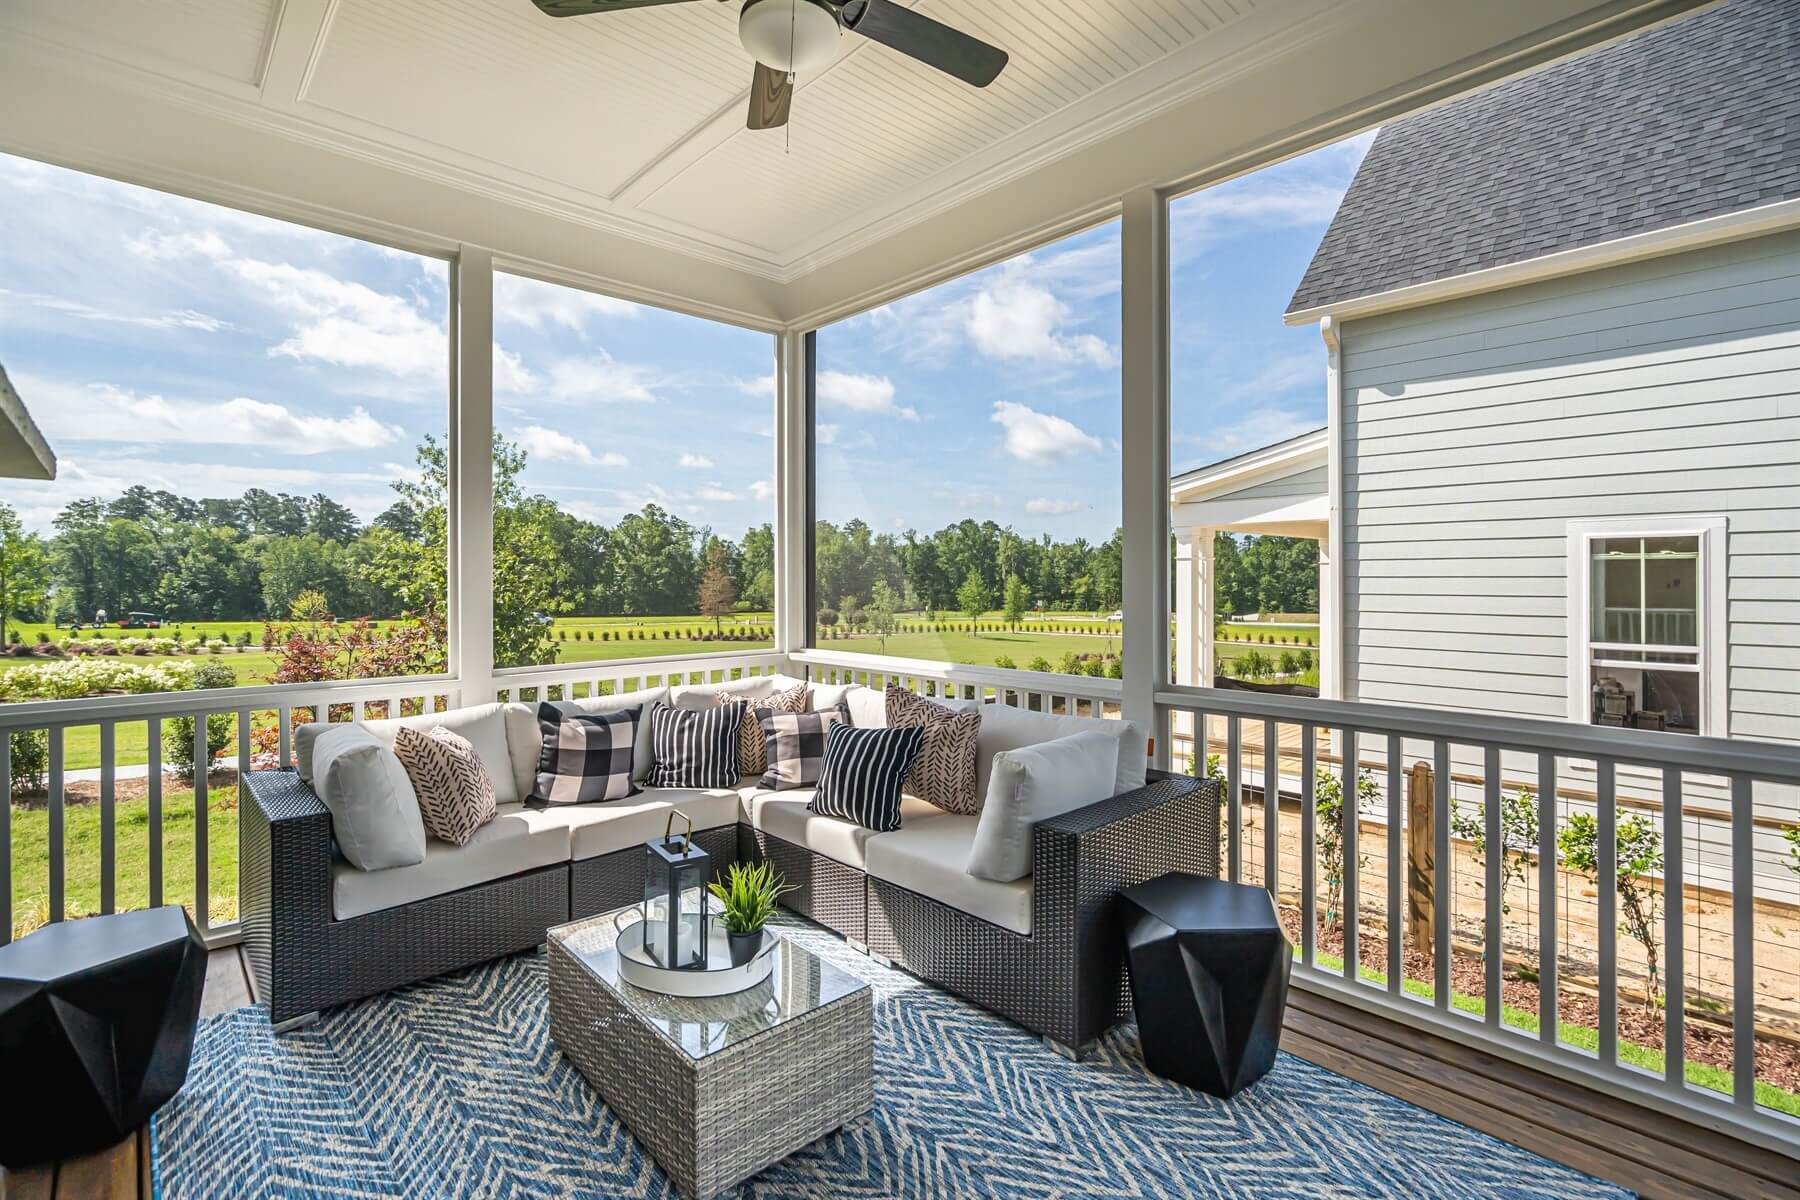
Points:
1694	119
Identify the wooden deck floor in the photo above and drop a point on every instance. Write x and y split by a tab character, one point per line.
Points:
1649	1151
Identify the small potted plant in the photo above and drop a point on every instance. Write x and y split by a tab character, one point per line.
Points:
748	894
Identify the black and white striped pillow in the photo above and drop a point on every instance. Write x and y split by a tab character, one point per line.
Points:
863	771
695	749
586	757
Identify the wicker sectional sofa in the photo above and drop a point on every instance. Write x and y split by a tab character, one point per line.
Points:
1042	951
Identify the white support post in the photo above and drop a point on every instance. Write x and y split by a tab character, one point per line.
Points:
471	461
793	623
1189	614
1331	566
1144	430
1208	583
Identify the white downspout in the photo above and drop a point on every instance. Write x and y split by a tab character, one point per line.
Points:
1331	550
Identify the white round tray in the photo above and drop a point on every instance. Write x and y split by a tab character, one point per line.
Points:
718	978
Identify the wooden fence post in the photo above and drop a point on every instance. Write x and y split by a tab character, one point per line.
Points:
1421	822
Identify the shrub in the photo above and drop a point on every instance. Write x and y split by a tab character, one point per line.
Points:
178	733
1005	662
1071	664
30	761
244	639
202	638
828	617
1040	663
1328	805
1096	667
1115	668
1639	857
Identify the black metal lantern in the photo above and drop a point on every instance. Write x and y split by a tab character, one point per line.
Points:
675	916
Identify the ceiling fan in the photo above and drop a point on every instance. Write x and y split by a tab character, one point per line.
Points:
786	37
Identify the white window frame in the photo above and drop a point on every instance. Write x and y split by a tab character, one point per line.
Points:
1713	616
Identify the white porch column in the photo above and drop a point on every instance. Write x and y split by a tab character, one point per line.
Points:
470	521
1194	606
1144	437
793	624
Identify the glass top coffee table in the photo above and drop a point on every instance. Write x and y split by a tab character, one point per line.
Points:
716	1088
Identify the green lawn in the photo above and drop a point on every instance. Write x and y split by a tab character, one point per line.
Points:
1647	1058
977	649
81	856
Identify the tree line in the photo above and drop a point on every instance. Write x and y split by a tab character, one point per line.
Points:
252	557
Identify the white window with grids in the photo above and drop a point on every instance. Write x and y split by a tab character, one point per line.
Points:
1648	624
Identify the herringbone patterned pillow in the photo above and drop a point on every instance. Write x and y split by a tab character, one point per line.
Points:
753	752
456	794
944	772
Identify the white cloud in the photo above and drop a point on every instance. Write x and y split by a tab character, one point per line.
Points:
180	318
1046	507
763	490
552	445
102	412
601	377
718	493
1278	378
511	374
826	434
760	386
536	305
151	246
1036	437
1014	318
862	393
347	324
695	462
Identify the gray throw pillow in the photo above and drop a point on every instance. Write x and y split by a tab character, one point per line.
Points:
374	810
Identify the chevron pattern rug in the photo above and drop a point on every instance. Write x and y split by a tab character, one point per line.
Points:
453	1089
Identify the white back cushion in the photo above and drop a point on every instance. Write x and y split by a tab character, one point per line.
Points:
374	811
525	740
1006	728
697	697
484	726
868	707
1032	784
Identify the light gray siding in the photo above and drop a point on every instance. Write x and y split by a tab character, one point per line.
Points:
1311	482
1476	430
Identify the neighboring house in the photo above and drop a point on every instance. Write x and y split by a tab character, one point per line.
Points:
1561	474
1563	325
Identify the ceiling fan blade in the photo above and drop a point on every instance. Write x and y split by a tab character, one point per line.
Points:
771	96
931	42
582	8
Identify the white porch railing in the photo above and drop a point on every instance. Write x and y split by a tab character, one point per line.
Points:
259	714
1381	740
1073	695
576	681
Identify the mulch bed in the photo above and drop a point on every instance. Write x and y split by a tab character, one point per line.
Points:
1777	1063
219	784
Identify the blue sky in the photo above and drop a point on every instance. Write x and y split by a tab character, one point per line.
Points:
163	341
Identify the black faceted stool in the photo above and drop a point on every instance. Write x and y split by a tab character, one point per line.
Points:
1209	977
96	1027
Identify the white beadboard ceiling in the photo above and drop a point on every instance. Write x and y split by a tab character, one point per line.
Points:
635	120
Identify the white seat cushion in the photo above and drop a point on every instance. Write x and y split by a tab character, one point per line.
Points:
596	829
1006	728
784	815
928	857
517	839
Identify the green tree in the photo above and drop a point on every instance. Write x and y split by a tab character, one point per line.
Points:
850	610
1638	857
178	732
718	591
1016	600
24	570
972	597
881	612
1330	834
290	565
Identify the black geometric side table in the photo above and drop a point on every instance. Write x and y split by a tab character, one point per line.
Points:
1209	977
97	1023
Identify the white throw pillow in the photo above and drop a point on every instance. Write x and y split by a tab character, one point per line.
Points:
1004	727
374	811
483	726
698	697
868	707
1032	784
525	739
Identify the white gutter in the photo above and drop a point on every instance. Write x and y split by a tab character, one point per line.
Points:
24	454
1694	235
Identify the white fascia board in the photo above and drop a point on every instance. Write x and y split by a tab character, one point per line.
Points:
1291	457
1674	239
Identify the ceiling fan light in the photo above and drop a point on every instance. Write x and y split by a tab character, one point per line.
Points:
795	36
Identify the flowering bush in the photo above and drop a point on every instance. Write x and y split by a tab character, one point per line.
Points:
76	677
310	651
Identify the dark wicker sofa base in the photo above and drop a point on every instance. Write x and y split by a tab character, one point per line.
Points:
1065	980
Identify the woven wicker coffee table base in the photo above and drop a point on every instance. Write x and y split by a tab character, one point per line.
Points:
715	1089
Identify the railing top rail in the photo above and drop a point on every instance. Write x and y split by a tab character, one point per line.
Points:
88	709
645	666
1024	681
1677	751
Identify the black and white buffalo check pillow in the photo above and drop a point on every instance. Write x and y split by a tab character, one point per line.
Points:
586	757
794	744
694	749
860	780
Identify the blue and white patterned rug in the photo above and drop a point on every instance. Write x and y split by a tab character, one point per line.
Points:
453	1089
